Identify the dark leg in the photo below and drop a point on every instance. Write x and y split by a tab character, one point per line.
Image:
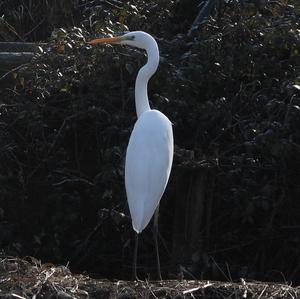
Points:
136	245
155	234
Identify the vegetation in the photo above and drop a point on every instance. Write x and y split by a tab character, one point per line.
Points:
36	280
232	91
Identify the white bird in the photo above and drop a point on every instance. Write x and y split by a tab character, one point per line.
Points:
150	150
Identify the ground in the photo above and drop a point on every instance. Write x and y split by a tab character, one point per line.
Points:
28	278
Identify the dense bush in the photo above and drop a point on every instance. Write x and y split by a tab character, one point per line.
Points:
232	92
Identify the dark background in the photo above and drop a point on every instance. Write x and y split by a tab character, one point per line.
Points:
232	90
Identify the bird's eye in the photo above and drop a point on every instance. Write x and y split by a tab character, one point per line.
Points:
132	37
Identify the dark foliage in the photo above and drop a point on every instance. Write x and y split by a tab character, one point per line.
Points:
232	91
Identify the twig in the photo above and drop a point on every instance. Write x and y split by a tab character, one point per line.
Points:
13	70
202	15
219	268
262	292
197	288
72	181
30	31
10	28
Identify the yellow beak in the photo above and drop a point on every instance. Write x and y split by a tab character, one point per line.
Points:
105	40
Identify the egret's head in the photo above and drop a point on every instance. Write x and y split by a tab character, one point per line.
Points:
137	39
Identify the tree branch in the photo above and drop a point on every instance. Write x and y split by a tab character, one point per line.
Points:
204	12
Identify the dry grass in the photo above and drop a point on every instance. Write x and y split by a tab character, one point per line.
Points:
28	278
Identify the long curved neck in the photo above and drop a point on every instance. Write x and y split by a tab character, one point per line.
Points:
145	73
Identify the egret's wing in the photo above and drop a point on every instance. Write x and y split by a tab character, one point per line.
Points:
148	164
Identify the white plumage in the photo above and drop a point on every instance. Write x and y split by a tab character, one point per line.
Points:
148	165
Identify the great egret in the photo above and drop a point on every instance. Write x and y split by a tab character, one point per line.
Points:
149	153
